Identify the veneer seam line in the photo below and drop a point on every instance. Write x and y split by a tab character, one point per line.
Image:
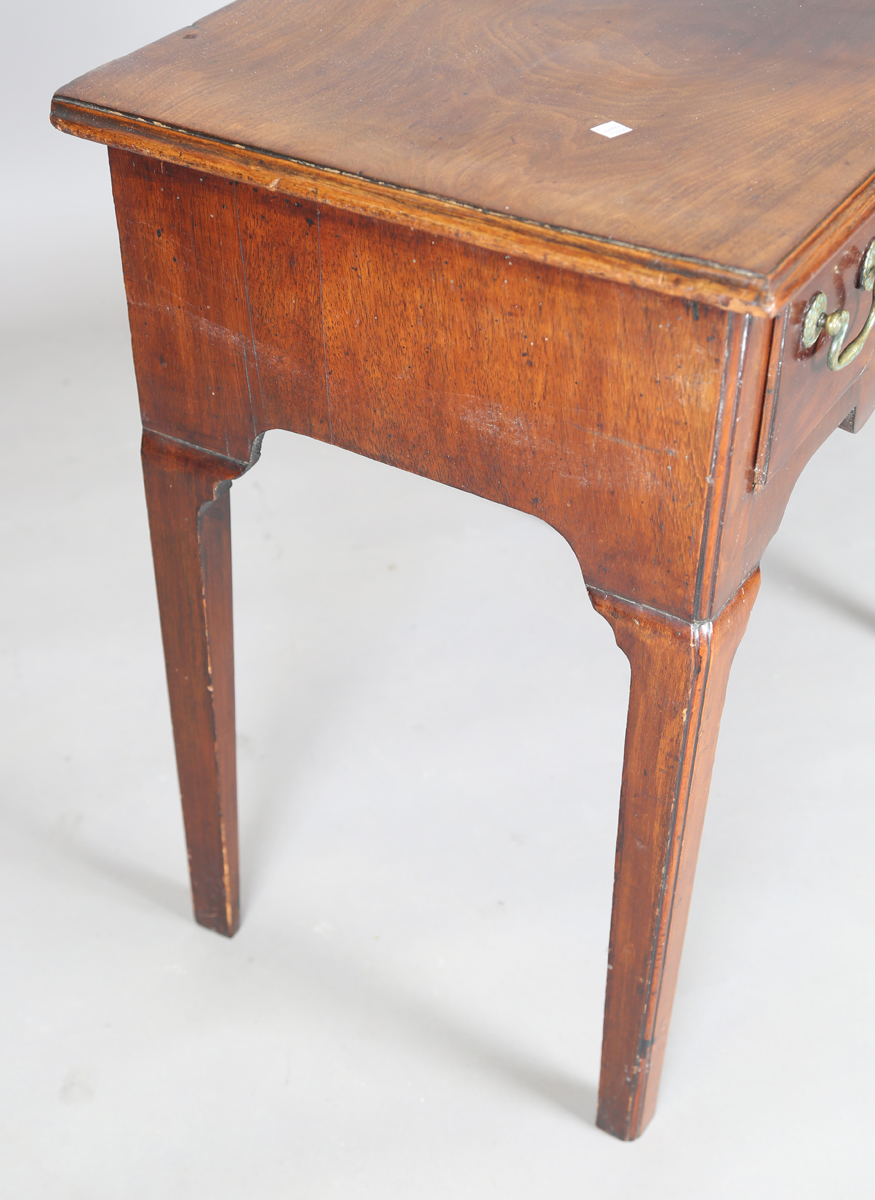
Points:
727	474
238	462
255	423
715	451
672	618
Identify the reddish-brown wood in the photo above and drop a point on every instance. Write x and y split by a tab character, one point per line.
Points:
805	389
748	161
679	677
226	330
389	226
478	370
189	519
708	283
802	403
632	422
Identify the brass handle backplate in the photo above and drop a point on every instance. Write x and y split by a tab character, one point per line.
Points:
817	320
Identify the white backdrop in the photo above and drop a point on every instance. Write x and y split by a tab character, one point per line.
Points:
431	724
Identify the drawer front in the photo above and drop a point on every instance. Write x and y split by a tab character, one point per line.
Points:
801	388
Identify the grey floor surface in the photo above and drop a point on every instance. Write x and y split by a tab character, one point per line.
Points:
430	735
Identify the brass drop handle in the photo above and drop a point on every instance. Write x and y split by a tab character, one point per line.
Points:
835	324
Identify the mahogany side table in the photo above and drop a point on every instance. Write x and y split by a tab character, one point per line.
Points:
606	263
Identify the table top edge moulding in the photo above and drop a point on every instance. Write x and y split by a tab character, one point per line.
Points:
707	283
649	213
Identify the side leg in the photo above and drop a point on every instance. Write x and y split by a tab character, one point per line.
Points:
190	523
679	677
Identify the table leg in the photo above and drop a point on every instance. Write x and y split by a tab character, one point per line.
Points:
679	676
190	523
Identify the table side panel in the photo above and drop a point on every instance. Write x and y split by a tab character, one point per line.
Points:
591	404
609	411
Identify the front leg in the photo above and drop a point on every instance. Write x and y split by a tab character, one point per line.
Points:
187	493
679	676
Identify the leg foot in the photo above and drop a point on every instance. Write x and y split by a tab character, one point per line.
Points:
679	677
190	524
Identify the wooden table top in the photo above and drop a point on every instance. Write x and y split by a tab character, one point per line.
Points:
750	151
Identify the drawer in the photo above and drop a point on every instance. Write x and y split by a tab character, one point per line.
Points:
801	389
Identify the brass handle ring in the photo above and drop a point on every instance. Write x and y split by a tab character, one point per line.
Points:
817	320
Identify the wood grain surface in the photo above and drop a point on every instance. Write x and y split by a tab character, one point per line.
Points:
606	410
805	389
632	422
190	524
749	156
679	678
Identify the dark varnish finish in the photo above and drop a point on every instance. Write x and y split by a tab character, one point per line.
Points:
389	226
630	421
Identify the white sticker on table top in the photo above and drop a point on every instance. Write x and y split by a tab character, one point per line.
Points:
610	129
